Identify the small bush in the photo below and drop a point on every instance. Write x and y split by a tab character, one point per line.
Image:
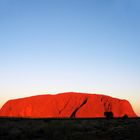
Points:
108	115
125	116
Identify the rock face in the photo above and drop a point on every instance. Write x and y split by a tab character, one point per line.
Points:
68	105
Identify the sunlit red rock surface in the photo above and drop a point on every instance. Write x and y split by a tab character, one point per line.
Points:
78	105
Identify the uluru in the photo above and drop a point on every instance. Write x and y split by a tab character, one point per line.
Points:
67	105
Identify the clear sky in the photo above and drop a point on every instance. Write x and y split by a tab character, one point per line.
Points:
52	46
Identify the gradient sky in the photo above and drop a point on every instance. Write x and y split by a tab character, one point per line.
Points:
52	46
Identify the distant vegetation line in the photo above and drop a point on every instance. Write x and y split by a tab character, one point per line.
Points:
19	118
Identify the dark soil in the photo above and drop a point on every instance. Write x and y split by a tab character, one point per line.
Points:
69	129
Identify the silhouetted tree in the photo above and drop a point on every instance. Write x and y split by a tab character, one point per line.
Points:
108	115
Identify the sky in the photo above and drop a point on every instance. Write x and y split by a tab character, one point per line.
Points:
54	46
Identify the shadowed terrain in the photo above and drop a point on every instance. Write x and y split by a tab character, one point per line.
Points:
70	129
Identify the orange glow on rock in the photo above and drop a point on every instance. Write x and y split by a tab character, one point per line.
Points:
67	105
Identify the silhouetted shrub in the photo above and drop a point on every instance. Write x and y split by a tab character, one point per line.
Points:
108	115
125	116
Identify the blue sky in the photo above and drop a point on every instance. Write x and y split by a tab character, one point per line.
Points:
52	46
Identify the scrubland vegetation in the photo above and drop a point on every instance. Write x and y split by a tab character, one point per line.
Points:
69	129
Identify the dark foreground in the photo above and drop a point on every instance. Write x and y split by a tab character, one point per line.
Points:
69	129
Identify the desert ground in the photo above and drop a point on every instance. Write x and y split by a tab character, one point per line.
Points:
69	129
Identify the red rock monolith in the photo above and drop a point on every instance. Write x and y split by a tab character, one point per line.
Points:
67	105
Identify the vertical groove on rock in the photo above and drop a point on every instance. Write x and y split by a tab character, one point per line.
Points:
75	111
60	111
